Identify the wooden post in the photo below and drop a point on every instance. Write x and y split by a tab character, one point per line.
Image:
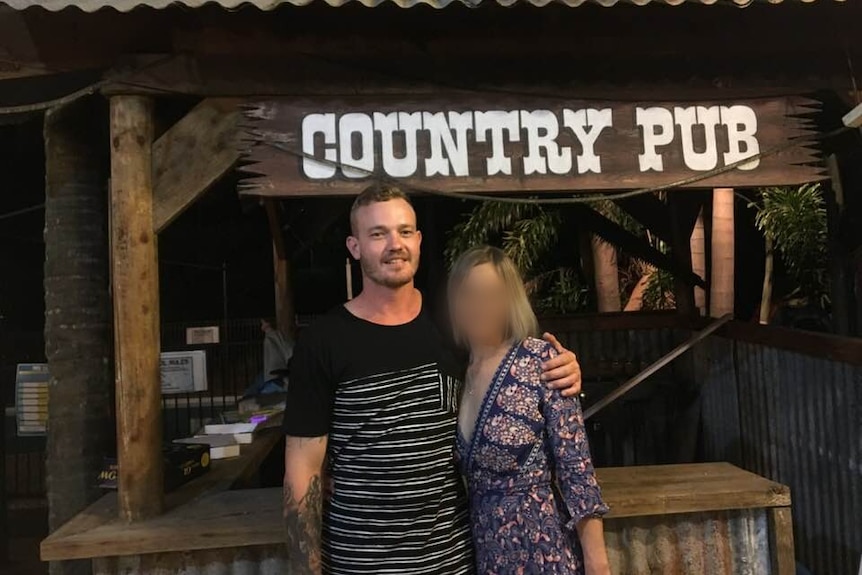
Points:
136	309
681	251
285	315
781	549
697	246
721	298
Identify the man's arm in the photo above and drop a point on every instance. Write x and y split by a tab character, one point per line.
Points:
563	371
303	502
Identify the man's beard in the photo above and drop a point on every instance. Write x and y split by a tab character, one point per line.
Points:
374	271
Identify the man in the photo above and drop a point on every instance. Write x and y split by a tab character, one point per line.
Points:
374	393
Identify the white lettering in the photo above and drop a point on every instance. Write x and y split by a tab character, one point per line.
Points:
542	130
387	125
496	122
741	122
686	119
312	125
657	124
353	166
577	122
441	133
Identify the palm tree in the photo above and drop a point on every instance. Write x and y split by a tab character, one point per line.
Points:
78	340
793	223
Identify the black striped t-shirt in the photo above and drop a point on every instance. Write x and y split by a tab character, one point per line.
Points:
387	398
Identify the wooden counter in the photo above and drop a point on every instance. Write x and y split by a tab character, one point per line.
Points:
98	528
639	496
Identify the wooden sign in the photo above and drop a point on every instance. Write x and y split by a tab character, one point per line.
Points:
312	147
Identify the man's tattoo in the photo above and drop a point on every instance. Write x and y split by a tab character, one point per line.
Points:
303	521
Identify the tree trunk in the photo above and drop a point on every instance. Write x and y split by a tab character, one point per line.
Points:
636	300
78	340
698	261
766	296
607	275
721	298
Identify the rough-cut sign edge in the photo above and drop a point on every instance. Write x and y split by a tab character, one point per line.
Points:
256	112
127	5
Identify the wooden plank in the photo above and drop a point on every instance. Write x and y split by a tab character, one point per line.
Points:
136	309
822	345
667	489
782	554
191	156
504	144
99	521
253	517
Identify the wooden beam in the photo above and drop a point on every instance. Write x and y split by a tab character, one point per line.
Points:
136	309
651	212
613	233
191	156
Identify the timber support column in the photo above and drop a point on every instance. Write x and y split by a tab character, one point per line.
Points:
134	258
721	297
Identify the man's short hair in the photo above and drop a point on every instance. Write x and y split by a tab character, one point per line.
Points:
373	194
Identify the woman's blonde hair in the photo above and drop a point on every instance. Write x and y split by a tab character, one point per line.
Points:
522	320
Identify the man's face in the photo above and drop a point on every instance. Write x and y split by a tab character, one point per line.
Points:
386	242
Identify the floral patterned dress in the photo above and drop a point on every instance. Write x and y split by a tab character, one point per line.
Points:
528	472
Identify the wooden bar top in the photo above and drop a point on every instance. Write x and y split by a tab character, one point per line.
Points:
246	517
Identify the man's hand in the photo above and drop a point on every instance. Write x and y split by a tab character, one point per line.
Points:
563	371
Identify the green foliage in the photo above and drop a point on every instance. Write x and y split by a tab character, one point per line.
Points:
795	220
565	294
526	232
523	231
659	291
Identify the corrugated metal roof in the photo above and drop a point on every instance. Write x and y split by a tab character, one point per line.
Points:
127	5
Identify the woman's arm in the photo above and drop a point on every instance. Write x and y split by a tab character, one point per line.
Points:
592	536
574	475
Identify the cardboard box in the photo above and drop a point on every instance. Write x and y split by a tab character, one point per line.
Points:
182	464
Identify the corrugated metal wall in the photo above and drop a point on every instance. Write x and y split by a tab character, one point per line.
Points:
256	560
797	420
691	544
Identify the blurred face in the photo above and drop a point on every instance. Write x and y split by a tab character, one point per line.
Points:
386	242
479	307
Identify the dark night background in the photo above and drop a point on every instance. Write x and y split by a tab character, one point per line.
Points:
225	232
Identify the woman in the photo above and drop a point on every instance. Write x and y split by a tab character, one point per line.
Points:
535	505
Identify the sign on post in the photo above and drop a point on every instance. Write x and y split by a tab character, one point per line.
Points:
31	398
470	144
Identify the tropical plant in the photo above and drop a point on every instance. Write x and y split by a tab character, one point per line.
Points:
793	223
526	232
